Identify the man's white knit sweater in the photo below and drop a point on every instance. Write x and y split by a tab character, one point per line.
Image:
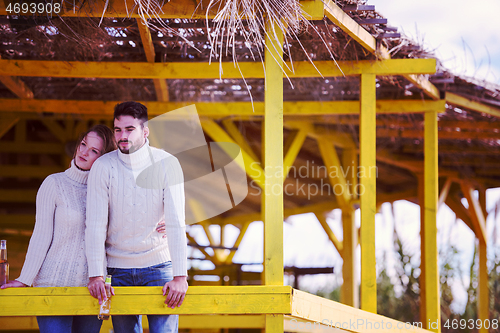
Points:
134	208
56	254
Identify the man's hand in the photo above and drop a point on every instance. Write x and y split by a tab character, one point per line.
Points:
176	291
97	289
13	284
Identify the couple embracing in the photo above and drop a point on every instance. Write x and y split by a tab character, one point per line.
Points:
95	219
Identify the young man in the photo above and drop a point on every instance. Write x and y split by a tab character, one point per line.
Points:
122	216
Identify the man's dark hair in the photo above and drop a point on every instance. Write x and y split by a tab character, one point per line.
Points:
134	109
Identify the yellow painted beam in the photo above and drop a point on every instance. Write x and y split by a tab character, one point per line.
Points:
237	242
335	172
104	109
367	180
17	86
333	315
394	196
6	123
460	211
444	192
200	70
483	299
173	9
430	297
251	167
476	212
185	322
161	87
292	147
272	144
337	138
331	235
367	41
28	171
350	168
238	137
148	300
467	103
349	293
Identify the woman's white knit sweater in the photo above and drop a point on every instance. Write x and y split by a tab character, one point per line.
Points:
56	252
123	213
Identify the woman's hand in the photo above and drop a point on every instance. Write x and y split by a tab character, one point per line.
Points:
160	227
13	284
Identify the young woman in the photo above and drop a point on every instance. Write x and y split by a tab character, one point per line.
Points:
56	252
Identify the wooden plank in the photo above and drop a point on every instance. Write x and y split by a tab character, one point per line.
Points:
272	144
476	212
148	300
367	157
17	86
251	167
104	109
331	315
200	70
173	9
444	192
470	104
349	293
430	296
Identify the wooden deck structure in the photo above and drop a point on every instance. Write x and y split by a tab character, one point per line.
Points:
364	129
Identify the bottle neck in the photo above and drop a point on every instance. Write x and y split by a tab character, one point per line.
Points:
3	254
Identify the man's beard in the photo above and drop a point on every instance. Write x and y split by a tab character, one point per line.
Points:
132	148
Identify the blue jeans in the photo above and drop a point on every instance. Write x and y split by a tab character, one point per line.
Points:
69	324
156	275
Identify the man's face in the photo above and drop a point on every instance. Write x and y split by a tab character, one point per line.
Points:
129	134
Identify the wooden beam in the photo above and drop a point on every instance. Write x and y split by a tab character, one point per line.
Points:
28	171
464	102
173	9
367	153
335	171
367	41
444	192
148	300
460	211
6	123
428	199
418	134
161	87
330	315
349	293
17	195
32	147
329	232
199	70
483	293
251	167
16	86
238	137
292	147
104	109
476	212
272	144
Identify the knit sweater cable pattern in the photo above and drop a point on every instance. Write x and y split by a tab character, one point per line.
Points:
122	216
56	252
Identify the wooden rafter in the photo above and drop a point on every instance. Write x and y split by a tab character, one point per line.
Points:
104	109
200	70
365	39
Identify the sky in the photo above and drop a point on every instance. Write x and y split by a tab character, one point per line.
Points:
465	35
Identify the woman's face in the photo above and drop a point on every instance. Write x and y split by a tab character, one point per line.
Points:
88	151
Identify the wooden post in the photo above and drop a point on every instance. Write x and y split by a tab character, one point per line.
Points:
349	294
367	135
430	312
272	208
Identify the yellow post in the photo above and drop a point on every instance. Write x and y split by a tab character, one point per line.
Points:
483	301
272	202
429	291
349	294
367	135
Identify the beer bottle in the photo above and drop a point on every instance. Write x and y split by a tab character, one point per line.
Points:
4	264
106	305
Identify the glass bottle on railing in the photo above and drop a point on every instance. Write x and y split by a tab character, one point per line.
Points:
106	305
4	264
